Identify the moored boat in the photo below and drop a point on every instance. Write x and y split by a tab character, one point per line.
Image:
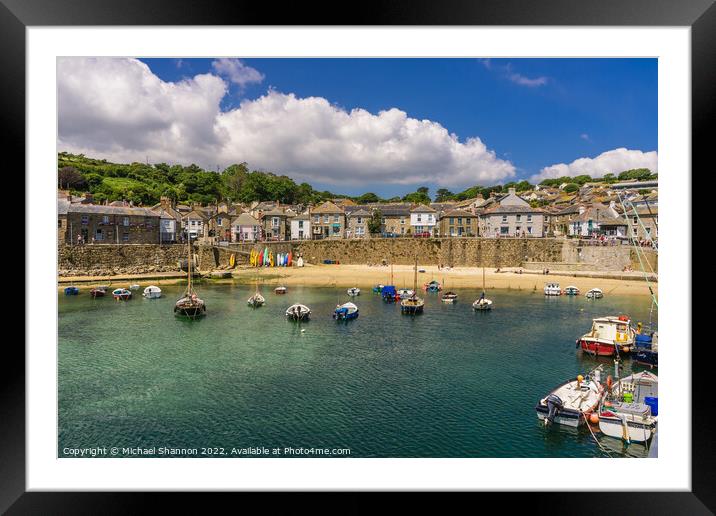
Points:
298	312
122	293
608	336
433	286
552	289
630	408
572	401
405	293
133	287
449	297
152	292
354	291
378	288
190	305
595	293
280	290
482	304
413	304
71	291
571	291
389	294
99	291
256	300
346	312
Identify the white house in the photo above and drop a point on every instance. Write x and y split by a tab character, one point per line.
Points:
301	227
513	217
423	220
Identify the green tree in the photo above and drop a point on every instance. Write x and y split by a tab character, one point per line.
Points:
367	198
375	222
571	187
443	194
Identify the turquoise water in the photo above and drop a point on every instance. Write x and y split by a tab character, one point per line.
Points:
447	383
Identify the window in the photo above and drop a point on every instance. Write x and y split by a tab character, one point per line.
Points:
504	218
125	221
635	220
419	219
529	218
519	217
325	219
504	230
336	218
98	235
317	219
275	222
300	224
218	221
85	219
517	229
648	231
359	220
452	220
105	219
529	230
459	221
125	237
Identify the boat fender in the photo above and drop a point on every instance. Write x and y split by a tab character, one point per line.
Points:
609	383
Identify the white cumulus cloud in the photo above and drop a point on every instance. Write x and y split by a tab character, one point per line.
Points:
237	72
613	161
119	110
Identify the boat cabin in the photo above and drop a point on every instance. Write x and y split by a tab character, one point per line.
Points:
615	329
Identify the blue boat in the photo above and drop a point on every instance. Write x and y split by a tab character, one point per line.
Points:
71	291
378	288
646	349
346	312
389	294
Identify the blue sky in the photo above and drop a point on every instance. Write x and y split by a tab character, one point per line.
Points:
533	114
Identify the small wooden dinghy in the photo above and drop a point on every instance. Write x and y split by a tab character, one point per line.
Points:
122	293
152	292
346	312
298	312
354	291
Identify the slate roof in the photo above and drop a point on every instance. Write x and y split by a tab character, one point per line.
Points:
111	210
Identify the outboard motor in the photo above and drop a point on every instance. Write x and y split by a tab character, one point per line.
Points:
554	404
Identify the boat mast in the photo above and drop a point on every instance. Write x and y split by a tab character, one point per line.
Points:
483	279
415	277
188	267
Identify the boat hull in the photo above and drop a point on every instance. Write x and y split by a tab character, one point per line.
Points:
411	309
596	348
190	312
638	430
646	357
97	293
346	317
294	317
566	417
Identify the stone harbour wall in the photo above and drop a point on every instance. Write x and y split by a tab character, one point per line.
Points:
109	259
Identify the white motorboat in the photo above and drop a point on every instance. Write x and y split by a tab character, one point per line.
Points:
298	312
595	293
629	411
571	402
346	311
280	290
354	291
152	292
552	289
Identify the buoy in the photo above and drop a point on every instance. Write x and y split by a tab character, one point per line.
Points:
594	418
609	382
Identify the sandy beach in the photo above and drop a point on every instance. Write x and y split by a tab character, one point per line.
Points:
365	277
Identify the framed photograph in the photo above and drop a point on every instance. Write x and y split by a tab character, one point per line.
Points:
417	252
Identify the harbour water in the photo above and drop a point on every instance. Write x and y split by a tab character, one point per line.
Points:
448	383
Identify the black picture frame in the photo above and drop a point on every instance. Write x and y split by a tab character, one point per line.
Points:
16	15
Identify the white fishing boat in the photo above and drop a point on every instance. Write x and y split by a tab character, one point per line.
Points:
298	312
608	336
630	408
571	402
346	312
552	289
354	291
571	291
482	304
280	290
152	292
595	293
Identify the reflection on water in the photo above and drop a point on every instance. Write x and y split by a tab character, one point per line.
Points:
448	383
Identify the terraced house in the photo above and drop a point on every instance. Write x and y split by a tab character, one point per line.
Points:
274	225
99	224
327	221
358	223
395	219
512	216
457	223
423	220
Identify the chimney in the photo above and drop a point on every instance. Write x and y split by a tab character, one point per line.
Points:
582	209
